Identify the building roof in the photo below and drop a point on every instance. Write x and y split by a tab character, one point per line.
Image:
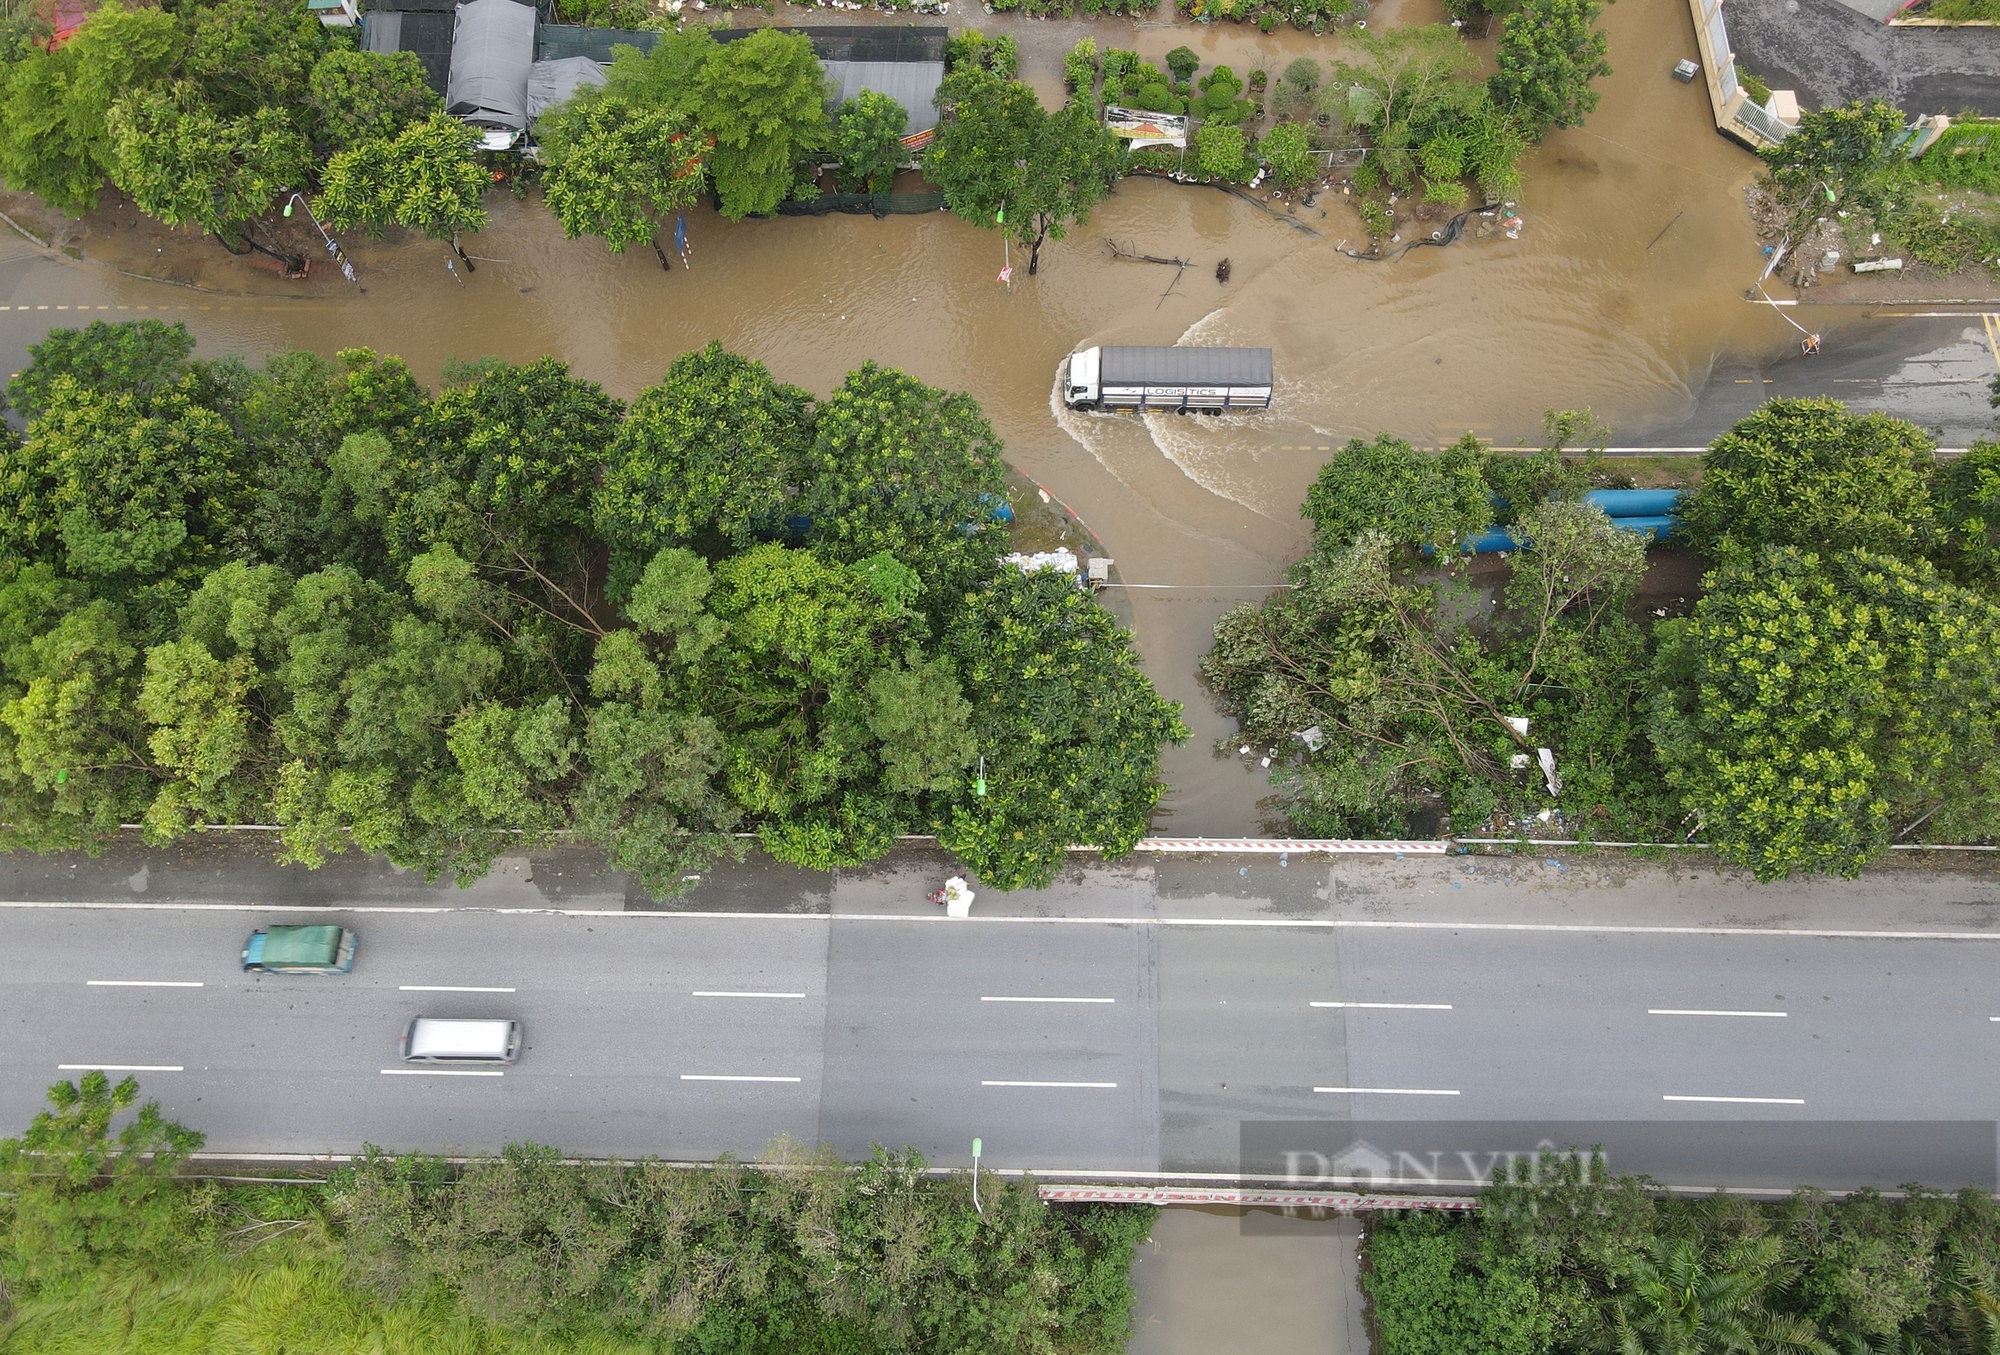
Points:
913	84
426	33
555	82
883	42
567	40
492	49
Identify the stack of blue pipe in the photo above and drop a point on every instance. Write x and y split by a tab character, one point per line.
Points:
1647	511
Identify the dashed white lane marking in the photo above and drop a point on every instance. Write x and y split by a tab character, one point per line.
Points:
1742	1100
119	1068
702	992
1696	1011
447	988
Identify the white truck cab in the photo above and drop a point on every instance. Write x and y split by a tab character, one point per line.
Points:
1080	386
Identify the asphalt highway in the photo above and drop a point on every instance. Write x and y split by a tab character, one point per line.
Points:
1386	1023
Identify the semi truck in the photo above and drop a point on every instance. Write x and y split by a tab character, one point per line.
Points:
1181	379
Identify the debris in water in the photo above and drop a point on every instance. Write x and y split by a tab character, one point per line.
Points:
1222	271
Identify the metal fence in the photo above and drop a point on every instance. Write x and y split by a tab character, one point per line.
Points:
866	204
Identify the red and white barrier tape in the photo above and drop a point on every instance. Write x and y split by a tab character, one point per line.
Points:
1343	1200
1294	845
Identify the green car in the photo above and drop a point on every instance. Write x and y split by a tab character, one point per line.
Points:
299	950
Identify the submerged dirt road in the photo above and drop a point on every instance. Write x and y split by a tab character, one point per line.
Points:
1622	293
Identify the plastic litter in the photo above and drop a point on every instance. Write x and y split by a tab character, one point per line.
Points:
1062	558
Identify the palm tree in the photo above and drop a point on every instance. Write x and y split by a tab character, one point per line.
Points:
1680	1300
1974	1309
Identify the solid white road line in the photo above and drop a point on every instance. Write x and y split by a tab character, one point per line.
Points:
442	1072
994	1082
731	1077
446	988
138	983
1389	1006
1107	1001
704	993
119	1068
1384	1091
1295	924
1743	1100
1693	1011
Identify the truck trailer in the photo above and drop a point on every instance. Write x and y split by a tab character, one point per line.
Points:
1210	379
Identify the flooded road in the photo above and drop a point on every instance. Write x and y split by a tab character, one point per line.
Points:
1623	292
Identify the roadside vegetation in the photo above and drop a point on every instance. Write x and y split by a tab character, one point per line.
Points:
1434	133
442	624
1833	687
212	114
1844	182
1575	1263
104	1249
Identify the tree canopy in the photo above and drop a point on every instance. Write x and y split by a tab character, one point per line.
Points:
430	623
1831	687
1000	152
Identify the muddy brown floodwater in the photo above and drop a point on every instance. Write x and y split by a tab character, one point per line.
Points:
1593	305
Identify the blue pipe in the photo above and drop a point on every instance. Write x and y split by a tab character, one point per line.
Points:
1634	503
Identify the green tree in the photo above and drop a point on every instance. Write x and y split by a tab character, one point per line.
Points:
1807	473
787	683
667	77
502	474
183	164
1684	1299
375	691
1004	162
54	141
1068	724
1415	498
363	96
137	359
1389	703
73	763
250	54
1548	54
1183	62
1967	493
763	99
1845	151
1288	150
1809	700
898	466
711	452
124	494
1220	151
618	171
79	1196
868	138
428	179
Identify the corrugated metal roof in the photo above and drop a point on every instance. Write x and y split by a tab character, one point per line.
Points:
1194	366
492	48
555	82
913	84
